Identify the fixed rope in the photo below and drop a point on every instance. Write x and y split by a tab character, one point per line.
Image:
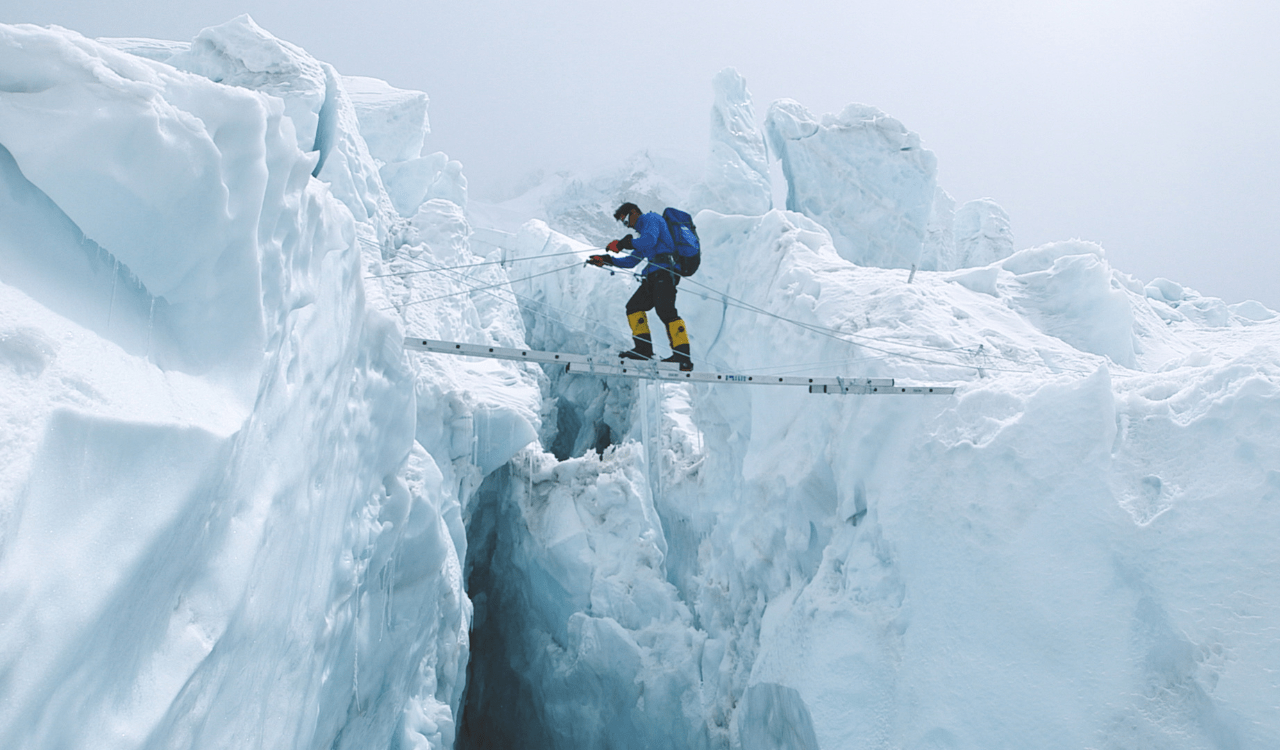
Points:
861	340
846	336
530	303
479	288
400	274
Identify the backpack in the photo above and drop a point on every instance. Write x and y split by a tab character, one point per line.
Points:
685	236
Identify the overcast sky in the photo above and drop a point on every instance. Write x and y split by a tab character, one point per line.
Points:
1148	126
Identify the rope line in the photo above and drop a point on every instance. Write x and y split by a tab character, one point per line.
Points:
402	274
817	328
517	297
887	352
841	336
479	289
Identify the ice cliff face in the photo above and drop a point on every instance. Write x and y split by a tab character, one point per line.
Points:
737	180
983	234
233	512
862	174
394	123
873	186
217	527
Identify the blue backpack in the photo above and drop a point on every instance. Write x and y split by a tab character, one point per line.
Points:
685	236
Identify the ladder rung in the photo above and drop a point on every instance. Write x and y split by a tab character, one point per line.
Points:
582	364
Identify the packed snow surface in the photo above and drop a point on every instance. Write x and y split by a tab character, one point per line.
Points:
235	513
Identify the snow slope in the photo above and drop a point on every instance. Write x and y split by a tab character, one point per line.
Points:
234	512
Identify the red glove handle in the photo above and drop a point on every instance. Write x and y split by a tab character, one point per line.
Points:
613	247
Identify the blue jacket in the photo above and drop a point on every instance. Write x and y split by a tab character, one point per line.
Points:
654	245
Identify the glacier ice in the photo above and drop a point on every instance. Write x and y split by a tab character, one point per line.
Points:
799	535
393	121
861	174
181	360
394	124
737	179
870	183
234	512
241	53
983	234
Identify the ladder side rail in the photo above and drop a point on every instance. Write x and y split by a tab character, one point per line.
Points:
588	365
495	352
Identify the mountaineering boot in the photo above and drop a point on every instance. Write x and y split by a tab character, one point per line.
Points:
681	358
640	335
679	345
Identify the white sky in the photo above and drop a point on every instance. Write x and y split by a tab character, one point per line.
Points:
1149	126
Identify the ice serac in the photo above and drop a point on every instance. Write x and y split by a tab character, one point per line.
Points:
394	123
939	253
860	174
216	526
412	182
983	234
1068	290
186	223
1180	303
737	179
241	53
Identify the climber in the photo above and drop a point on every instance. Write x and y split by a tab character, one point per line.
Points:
657	285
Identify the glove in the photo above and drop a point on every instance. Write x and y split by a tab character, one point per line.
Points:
612	247
600	260
625	243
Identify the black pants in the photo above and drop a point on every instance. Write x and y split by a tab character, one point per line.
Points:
657	291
